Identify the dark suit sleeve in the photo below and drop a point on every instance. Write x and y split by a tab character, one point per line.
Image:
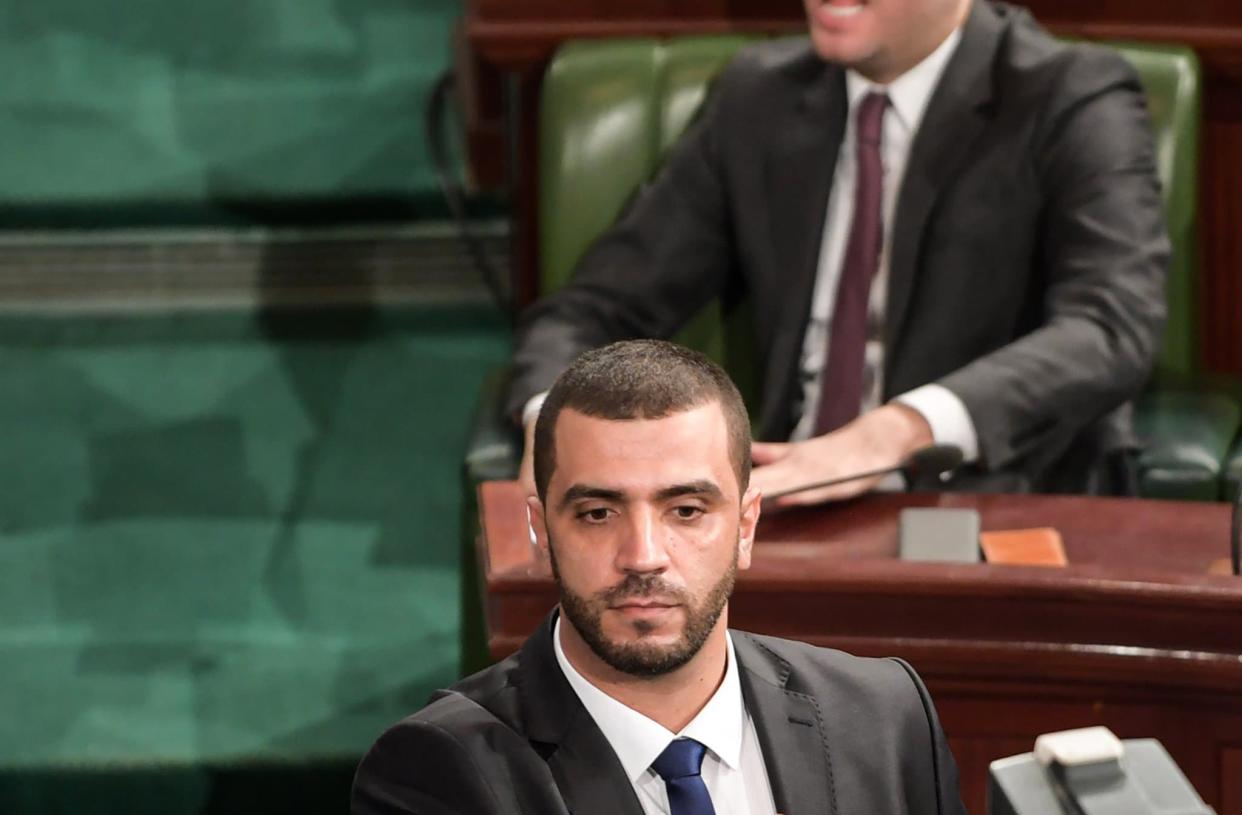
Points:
669	254
419	767
944	768
1102	260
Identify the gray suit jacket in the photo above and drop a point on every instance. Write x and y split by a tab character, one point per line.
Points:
1028	249
839	735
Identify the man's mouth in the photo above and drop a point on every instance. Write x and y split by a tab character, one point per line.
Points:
839	9
643	604
643	608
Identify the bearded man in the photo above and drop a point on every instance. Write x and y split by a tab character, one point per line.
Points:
634	697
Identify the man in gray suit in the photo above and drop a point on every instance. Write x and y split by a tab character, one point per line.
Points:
949	227
634	697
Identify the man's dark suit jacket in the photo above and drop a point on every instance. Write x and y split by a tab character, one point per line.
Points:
1028	249
839	735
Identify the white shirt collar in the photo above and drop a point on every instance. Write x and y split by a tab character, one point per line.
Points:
638	741
909	93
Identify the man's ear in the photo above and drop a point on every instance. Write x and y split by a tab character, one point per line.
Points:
747	524
538	523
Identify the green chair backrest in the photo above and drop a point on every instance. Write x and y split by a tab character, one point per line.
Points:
611	108
1171	77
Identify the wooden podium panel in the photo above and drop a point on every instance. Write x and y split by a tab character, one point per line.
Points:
1135	634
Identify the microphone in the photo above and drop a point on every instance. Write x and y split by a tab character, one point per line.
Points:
940	459
1235	532
1091	772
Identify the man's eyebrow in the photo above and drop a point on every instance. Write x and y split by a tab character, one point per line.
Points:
700	487
579	492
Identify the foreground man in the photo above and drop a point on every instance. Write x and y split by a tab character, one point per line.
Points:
633	697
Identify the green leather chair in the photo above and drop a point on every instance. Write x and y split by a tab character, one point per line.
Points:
1233	472
610	109
1186	420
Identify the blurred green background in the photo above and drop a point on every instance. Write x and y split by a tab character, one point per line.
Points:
167	109
229	527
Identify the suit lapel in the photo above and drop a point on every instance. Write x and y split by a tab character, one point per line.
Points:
956	115
590	775
799	167
795	744
586	769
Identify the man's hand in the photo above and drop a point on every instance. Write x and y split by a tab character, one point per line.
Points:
879	438
526	470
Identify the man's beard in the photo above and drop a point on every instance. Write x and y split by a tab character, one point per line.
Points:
642	658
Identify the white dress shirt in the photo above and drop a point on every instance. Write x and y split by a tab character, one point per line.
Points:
733	767
908	97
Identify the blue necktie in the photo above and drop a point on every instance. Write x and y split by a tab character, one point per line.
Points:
679	765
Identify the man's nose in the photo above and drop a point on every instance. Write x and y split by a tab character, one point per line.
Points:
644	548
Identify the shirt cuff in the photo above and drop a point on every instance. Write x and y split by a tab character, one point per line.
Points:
531	411
946	415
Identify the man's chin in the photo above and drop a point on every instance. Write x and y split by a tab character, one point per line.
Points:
638	637
648	656
842	48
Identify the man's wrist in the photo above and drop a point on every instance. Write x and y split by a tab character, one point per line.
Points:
906	429
946	415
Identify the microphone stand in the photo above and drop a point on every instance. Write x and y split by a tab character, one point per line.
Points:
941	458
832	482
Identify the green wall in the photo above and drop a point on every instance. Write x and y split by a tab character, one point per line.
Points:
229	549
204	110
230	541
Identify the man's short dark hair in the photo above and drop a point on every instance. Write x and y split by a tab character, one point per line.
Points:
641	379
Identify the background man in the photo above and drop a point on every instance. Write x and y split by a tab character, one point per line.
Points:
949	227
634	697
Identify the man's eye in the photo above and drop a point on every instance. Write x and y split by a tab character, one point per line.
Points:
688	513
596	515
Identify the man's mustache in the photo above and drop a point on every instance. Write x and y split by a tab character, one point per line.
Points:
642	587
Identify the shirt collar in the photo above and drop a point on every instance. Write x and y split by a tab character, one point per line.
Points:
909	93
638	741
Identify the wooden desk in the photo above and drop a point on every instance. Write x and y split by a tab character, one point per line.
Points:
1135	634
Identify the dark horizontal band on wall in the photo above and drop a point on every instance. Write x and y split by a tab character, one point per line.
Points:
138	270
252	210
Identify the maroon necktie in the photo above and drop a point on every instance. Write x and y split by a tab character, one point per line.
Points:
840	395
